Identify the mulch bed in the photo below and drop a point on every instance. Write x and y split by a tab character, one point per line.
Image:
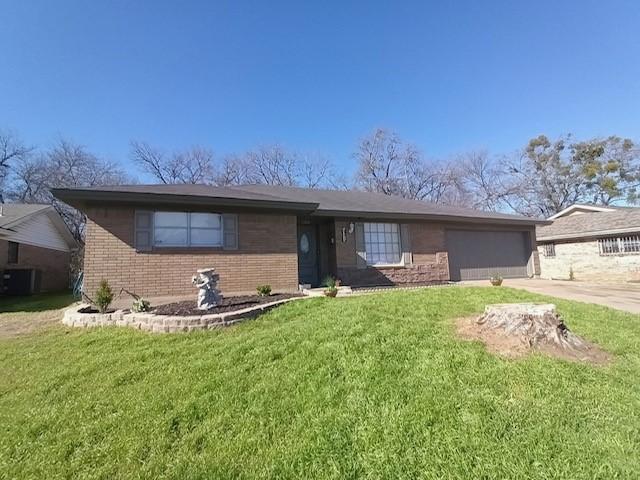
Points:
228	304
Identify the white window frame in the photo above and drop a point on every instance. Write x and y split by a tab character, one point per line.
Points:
627	245
549	250
367	232
189	229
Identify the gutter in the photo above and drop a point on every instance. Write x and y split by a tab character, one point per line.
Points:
430	216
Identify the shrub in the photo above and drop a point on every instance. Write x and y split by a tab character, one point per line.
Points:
104	296
264	290
140	305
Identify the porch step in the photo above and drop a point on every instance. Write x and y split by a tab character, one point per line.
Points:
319	292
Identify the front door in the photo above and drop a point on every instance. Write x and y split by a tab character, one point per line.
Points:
307	255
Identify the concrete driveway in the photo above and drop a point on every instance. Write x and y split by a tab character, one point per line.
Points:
622	297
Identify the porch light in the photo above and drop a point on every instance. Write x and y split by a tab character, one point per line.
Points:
352	227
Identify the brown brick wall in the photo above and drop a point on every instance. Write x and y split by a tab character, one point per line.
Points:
53	264
430	261
267	253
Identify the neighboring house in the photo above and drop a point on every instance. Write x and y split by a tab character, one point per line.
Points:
151	239
35	249
595	243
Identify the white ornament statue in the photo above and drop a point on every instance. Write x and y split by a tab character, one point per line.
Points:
207	282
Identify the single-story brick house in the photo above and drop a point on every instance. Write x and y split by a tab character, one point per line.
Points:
151	238
35	249
595	243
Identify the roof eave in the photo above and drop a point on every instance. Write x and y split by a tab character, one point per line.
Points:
79	198
434	217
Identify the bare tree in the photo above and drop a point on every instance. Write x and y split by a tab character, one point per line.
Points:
232	170
482	181
315	171
12	149
388	165
66	164
272	165
194	165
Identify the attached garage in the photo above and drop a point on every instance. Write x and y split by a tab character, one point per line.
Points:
479	254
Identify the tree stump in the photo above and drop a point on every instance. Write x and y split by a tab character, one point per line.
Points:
535	325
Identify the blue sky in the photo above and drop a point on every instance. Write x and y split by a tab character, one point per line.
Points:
448	76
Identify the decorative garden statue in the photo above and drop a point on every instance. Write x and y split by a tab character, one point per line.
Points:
207	282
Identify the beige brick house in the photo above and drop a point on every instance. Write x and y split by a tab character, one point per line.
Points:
35	249
591	243
150	239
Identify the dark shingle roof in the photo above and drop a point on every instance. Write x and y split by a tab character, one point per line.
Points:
12	212
591	224
312	201
354	201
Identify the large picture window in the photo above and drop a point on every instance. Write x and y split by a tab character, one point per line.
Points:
182	229
382	243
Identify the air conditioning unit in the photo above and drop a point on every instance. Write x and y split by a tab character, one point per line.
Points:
21	281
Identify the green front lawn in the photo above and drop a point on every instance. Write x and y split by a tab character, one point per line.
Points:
365	387
36	303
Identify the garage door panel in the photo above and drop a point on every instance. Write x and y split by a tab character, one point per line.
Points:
476	255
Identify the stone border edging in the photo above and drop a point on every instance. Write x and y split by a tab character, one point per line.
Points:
151	322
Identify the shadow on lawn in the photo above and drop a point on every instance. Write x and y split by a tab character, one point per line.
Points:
36	303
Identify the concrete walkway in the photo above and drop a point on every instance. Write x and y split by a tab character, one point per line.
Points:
622	297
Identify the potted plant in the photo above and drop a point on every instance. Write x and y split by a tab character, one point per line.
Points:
331	285
496	280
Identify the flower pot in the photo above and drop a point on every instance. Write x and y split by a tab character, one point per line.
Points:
496	282
331	293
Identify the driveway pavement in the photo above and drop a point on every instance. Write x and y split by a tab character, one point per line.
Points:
623	297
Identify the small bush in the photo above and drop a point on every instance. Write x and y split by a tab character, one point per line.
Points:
264	290
140	305
330	282
104	296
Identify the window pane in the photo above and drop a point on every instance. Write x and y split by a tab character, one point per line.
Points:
171	219
205	220
206	236
382	243
171	237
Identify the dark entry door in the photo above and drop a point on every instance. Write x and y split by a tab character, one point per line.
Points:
307	255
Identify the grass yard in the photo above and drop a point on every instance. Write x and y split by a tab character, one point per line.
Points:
365	387
20	315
